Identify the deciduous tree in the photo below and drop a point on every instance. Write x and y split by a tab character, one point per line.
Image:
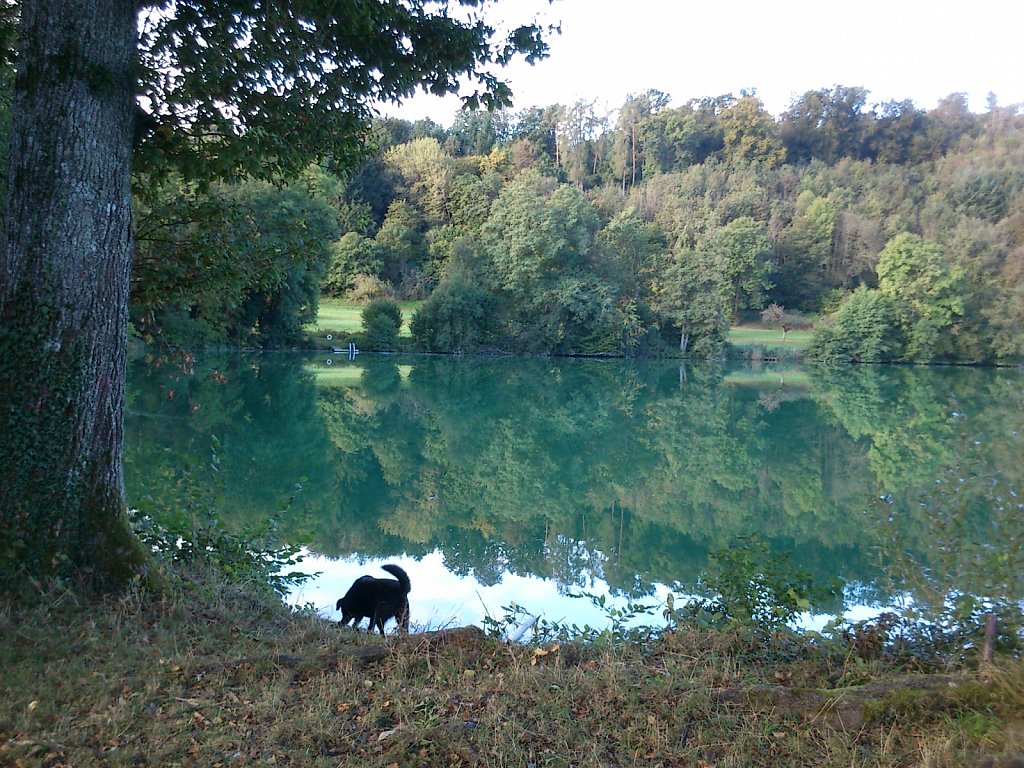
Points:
742	255
750	133
352	255
691	300
236	261
634	248
458	317
224	87
913	270
402	245
426	171
382	321
867	328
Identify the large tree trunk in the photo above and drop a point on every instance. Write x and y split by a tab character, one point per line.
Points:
65	257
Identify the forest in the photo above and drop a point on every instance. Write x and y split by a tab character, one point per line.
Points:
896	232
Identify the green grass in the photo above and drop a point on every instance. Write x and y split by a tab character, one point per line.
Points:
756	336
341	374
788	377
346	317
340	318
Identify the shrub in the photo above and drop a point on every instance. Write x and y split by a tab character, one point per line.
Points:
369	287
458	316
382	320
750	585
865	329
352	256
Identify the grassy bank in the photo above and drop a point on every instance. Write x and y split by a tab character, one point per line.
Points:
771	338
346	317
207	673
342	319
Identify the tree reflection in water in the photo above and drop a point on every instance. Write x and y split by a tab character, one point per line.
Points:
588	473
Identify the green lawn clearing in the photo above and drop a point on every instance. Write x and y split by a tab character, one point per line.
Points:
337	316
769	377
756	336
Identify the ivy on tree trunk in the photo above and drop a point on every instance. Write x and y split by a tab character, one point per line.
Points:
301	84
66	254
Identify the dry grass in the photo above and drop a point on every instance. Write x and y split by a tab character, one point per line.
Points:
210	674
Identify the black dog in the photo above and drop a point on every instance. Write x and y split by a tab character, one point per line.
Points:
377	599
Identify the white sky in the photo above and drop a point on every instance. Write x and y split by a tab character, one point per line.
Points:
897	49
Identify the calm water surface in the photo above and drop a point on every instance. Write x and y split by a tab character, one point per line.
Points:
529	480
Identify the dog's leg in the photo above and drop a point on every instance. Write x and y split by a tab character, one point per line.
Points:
379	617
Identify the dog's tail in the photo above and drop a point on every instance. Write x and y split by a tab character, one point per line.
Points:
402	576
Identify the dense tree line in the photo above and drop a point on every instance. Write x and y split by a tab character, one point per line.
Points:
650	230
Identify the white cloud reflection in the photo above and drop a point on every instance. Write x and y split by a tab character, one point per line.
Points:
442	599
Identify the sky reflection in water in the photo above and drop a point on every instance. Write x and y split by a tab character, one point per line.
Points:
441	599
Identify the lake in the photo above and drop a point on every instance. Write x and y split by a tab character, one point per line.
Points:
526	481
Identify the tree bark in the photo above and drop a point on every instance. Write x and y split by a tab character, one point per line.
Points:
65	257
633	151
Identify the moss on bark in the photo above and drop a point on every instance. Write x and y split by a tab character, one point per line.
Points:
61	497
